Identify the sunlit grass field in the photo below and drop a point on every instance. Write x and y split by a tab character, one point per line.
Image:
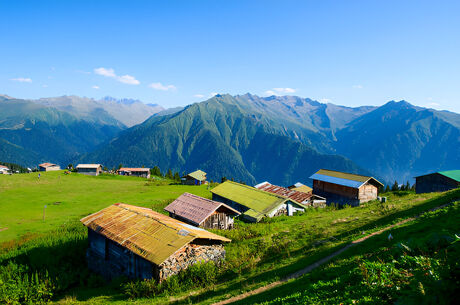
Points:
23	198
258	254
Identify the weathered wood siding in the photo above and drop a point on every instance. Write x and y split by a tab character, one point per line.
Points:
367	192
434	183
341	194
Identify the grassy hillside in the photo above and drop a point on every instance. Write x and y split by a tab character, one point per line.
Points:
54	254
70	197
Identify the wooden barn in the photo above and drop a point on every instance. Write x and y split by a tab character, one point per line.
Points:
140	243
202	212
197	177
89	169
344	188
307	199
134	171
47	167
254	204
437	182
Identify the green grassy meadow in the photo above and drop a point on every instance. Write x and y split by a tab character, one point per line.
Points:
53	251
70	197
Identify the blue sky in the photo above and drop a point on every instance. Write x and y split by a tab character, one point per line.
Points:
179	52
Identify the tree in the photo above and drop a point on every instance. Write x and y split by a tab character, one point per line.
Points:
169	174
70	166
120	166
176	176
156	171
395	187
387	189
408	188
223	179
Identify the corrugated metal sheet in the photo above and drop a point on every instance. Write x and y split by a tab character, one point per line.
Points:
88	165
335	180
346	179
300	197
149	234
195	208
303	188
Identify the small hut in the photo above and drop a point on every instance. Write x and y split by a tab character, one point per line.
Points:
89	169
437	182
47	167
134	171
300	187
197	177
140	243
202	212
4	169
344	188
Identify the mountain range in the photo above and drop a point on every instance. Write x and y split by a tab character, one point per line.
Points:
282	139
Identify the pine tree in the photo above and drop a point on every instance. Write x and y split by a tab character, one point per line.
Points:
223	179
408	186
155	171
176	176
169	175
387	189
120	166
395	187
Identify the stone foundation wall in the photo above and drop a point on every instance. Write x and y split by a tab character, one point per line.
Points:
189	255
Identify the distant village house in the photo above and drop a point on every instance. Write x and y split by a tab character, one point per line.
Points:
134	171
89	169
47	167
140	243
344	188
305	198
4	170
202	212
437	182
254	204
197	177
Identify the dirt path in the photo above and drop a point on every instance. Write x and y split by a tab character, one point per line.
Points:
322	261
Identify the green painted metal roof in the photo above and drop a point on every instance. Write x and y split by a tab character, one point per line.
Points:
259	202
454	174
198	175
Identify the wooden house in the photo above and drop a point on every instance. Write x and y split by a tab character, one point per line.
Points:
134	171
437	182
140	243
252	203
344	188
197	177
89	169
307	199
47	167
202	212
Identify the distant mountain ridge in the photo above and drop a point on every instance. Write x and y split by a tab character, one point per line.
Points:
128	112
278	138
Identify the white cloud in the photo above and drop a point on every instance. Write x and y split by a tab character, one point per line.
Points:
324	100
22	80
433	104
105	72
212	94
128	79
45	86
280	91
199	95
125	79
160	86
95	87
357	87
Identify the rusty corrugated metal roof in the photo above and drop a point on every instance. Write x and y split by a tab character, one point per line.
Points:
88	165
149	234
297	196
195	208
46	164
